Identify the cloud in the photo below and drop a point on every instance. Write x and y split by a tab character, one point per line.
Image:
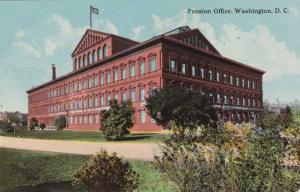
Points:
106	26
257	47
23	45
136	32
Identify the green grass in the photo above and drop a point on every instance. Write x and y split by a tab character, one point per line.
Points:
22	170
84	136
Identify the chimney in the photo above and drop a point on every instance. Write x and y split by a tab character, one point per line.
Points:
53	72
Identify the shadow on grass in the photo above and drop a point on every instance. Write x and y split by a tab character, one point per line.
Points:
49	187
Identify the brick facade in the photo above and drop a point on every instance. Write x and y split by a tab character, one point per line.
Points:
107	66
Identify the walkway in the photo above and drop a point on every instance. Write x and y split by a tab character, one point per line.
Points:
138	151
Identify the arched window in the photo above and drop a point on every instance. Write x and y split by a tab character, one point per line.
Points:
89	58
104	51
80	62
84	60
94	56
99	53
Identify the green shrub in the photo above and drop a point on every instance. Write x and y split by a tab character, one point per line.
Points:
107	173
42	126
117	120
6	126
193	168
60	122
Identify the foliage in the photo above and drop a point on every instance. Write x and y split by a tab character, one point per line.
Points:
33	123
117	120
192	167
6	126
42	126
14	119
285	118
106	173
60	122
181	109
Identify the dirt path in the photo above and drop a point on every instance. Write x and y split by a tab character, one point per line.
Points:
140	151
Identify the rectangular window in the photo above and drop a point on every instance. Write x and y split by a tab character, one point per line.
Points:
142	117
131	70
231	80
96	102
95	81
142	67
183	68
193	71
90	83
210	75
124	98
90	119
123	73
248	83
142	94
202	73
116	96
108	99
237	81
107	77
173	66
116	75
152	89
218	76
152	64
132	95
219	99
102	79
102	100
243	83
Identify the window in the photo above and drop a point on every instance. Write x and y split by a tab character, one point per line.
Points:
90	83
218	76
80	120
75	64
243	83
249	103
116	74
183	68
142	116
193	71
173	66
237	81
96	101
142	94
102	100
105	51
99	53
253	85
219	99
152	64
225	99
225	78
202	73
85	120
94	56
123	73
237	101
102	79
95	81
107	77
84	84
124	98
96	119
90	103
231	80
244	102
116	96
90	119
254	104
84	61
131	70
210	75
152	89
89	60
108	99
248	83
80	62
132	95
142	67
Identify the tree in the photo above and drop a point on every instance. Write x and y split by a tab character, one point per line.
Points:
181	109
117	120
106	173
60	122
42	126
33	123
286	117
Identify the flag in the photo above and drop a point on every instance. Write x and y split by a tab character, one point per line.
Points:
94	10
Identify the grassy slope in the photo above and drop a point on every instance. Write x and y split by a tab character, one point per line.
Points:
54	172
84	136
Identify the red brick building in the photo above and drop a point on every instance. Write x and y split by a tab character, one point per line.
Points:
107	66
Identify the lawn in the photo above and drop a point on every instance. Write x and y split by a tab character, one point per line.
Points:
22	170
85	136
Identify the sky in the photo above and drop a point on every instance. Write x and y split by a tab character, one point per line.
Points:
36	34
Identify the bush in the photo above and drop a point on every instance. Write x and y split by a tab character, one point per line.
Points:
33	123
42	126
117	120
193	168
107	173
6	126
60	123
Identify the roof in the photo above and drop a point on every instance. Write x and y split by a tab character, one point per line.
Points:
149	42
